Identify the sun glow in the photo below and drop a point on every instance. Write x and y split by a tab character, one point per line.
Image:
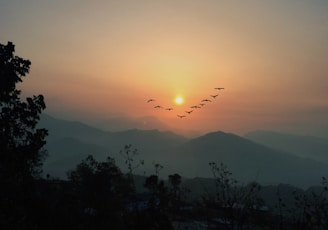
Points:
178	100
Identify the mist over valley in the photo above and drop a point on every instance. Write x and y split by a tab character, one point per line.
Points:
248	158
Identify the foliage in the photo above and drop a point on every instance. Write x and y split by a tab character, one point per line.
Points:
158	167
175	191
236	204
310	210
21	142
101	189
103	197
129	155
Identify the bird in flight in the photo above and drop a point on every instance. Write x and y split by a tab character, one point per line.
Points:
158	107
202	104
218	88
189	112
150	100
195	107
181	116
169	109
206	100
214	96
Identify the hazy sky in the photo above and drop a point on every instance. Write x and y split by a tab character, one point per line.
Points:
106	58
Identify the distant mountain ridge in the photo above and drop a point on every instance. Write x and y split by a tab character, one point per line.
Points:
69	142
299	145
124	123
249	161
151	144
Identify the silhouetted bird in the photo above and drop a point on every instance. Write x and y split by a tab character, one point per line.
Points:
214	96
158	107
169	109
150	100
206	100
189	112
201	104
218	88
195	107
181	116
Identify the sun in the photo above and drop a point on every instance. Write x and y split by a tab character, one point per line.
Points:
178	100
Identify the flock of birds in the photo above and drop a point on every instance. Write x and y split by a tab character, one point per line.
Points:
200	105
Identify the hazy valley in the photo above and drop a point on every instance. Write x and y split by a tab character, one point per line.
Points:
266	157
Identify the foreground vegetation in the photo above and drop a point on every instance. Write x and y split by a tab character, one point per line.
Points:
97	195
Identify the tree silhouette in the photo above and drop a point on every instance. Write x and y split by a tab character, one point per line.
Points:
175	192
235	203
101	189
129	155
21	142
310	209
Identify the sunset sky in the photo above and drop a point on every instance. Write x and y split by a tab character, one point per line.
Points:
93	60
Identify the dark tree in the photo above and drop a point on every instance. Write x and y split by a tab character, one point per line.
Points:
158	192
157	213
175	181
175	193
21	142
236	204
101	190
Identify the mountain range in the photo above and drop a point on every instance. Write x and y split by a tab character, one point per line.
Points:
299	145
249	160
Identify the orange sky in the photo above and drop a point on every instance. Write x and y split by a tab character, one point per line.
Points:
96	59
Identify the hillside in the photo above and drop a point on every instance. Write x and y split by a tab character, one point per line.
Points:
70	142
304	146
247	160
